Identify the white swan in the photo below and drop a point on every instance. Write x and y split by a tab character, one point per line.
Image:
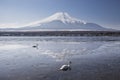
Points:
66	67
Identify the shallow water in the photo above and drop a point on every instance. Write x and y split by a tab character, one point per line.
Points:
93	58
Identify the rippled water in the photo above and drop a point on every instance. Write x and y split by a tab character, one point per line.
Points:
20	61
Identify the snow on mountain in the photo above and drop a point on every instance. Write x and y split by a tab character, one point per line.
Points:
62	21
64	17
59	16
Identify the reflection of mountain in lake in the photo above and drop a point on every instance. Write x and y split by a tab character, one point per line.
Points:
63	51
60	48
92	57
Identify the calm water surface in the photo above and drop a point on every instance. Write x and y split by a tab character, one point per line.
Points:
93	58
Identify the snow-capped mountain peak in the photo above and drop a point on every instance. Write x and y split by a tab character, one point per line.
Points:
59	16
64	17
63	21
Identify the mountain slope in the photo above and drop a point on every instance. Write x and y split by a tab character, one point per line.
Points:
62	21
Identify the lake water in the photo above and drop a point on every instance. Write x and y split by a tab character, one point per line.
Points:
93	58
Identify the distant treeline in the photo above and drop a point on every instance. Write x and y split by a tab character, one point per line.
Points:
59	33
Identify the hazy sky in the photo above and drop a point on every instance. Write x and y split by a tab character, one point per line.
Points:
20	12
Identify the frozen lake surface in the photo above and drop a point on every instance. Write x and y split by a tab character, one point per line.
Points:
93	58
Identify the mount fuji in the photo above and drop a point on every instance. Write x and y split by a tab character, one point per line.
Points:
62	21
